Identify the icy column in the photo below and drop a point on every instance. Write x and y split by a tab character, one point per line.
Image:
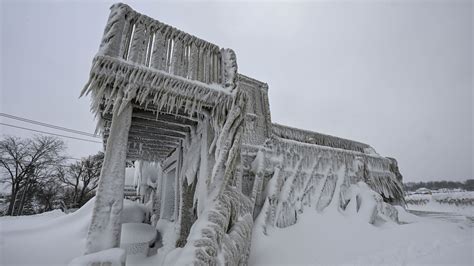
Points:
104	231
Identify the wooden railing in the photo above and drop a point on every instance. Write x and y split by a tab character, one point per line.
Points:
142	40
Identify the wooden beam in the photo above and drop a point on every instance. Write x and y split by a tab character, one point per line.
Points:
180	112
151	129
152	144
152	147
151	150
150	114
138	140
145	138
149	134
147	154
150	158
159	123
179	119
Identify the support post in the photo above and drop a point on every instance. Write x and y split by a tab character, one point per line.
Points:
105	229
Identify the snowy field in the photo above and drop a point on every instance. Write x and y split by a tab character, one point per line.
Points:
452	202
332	237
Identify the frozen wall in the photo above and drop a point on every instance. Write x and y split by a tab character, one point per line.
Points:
257	126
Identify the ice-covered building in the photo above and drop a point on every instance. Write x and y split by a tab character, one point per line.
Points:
210	159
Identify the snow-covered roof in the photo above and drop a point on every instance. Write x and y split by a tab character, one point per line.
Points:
312	137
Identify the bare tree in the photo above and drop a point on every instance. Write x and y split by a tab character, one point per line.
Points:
81	179
25	161
49	195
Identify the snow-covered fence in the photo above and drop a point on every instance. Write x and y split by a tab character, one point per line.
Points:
464	199
451	202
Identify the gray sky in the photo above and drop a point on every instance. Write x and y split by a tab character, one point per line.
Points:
394	74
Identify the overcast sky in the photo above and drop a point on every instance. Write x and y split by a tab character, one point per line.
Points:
394	74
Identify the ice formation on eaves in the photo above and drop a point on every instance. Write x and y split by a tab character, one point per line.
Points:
209	162
306	136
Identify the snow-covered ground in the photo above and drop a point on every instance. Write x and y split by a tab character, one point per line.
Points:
334	238
441	232
51	238
331	237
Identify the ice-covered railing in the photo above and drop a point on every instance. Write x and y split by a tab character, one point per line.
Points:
157	64
132	36
311	137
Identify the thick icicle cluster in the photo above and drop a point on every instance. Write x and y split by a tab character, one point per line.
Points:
386	185
222	236
230	68
146	177
192	165
313	176
150	88
222	233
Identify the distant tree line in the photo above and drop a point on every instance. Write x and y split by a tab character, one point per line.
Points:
434	185
38	178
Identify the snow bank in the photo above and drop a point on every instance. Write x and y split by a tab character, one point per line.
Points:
12	223
52	238
50	241
113	257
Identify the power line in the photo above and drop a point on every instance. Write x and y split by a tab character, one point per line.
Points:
49	125
52	164
54	134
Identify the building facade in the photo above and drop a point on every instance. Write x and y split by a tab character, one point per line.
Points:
167	98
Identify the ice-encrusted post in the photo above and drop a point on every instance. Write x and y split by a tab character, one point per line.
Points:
105	228
104	231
